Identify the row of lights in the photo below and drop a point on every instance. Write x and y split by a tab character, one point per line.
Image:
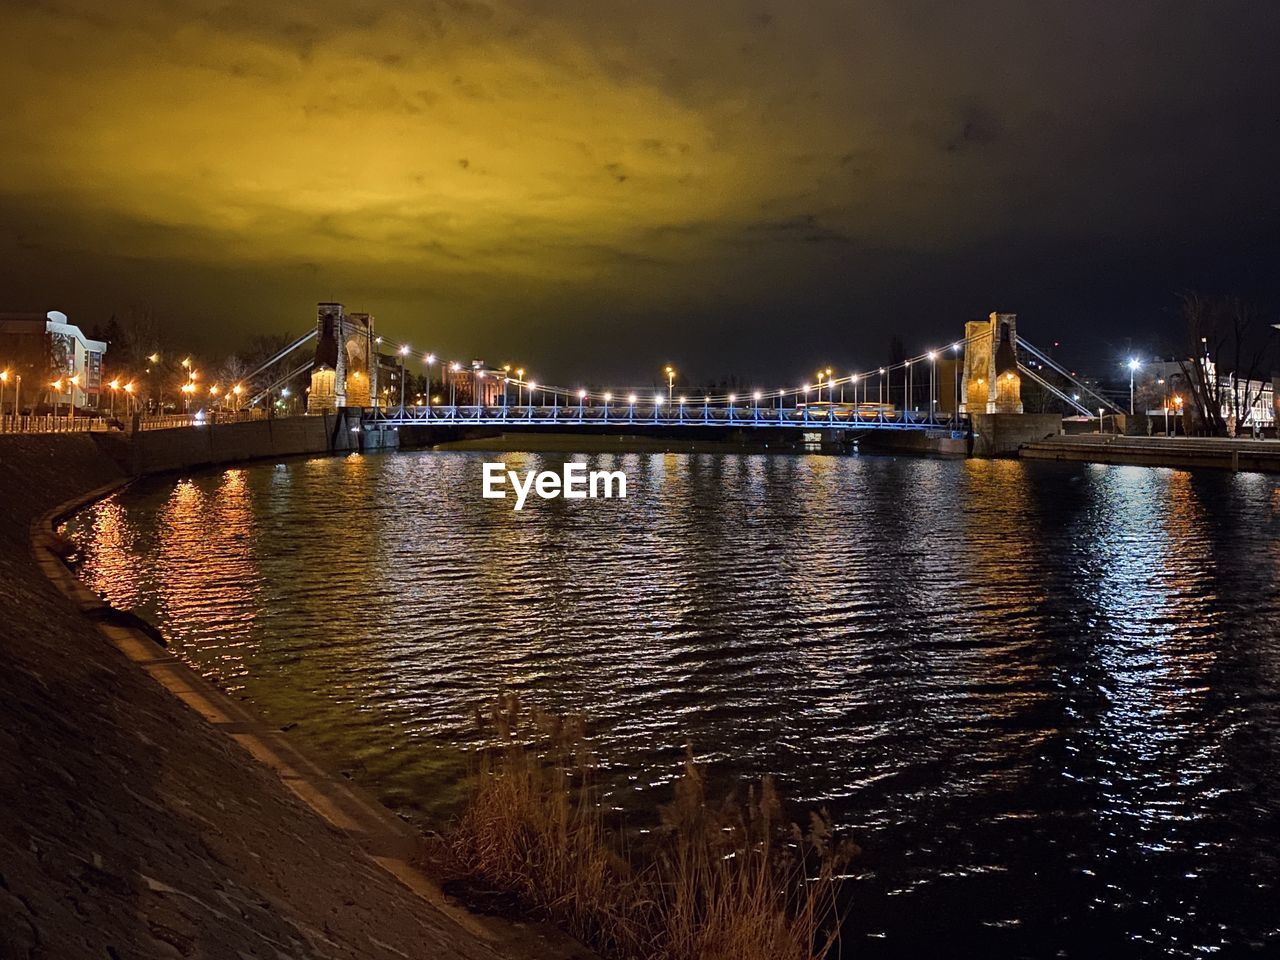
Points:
824	378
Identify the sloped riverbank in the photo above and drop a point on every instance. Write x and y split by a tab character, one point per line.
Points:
132	825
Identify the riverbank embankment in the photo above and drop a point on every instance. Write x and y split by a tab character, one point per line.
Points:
134	820
1186	453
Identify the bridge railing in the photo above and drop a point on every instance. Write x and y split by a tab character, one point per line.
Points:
872	416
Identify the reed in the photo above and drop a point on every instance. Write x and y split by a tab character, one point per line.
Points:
732	879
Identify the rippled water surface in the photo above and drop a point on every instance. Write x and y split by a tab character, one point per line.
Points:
1045	699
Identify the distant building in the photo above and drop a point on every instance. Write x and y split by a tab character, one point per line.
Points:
388	380
42	348
466	383
1166	384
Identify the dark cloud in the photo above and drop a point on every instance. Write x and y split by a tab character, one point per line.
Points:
496	178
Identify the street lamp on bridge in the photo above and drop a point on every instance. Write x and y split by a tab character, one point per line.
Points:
933	382
429	359
404	352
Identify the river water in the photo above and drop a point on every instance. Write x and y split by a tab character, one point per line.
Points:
1043	698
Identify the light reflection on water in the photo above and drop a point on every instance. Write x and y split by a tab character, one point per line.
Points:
1042	697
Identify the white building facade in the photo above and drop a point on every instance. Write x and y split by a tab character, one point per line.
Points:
44	348
1255	399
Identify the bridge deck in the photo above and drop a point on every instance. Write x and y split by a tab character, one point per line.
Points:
656	415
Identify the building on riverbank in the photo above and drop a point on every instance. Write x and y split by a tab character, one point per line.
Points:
1244	404
46	348
476	384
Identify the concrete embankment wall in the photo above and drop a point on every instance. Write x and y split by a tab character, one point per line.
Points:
134	820
1003	434
184	448
913	442
1262	456
156	451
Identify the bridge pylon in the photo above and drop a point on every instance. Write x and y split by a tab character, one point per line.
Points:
345	373
991	381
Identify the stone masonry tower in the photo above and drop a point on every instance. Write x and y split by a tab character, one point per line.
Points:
346	370
991	381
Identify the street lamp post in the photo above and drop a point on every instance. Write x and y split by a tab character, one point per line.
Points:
955	399
671	383
933	382
1133	369
430	359
404	352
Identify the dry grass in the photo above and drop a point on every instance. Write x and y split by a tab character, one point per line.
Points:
728	880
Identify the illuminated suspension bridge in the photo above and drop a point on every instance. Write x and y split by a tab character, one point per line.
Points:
904	395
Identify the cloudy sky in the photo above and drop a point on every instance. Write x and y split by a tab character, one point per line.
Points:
597	188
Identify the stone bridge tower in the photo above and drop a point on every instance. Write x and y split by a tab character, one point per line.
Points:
345	373
991	382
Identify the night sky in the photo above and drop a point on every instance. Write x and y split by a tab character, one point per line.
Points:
595	189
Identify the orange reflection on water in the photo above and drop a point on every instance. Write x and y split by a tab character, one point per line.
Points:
206	563
117	560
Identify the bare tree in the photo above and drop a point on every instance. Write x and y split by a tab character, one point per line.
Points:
232	369
1223	360
144	337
